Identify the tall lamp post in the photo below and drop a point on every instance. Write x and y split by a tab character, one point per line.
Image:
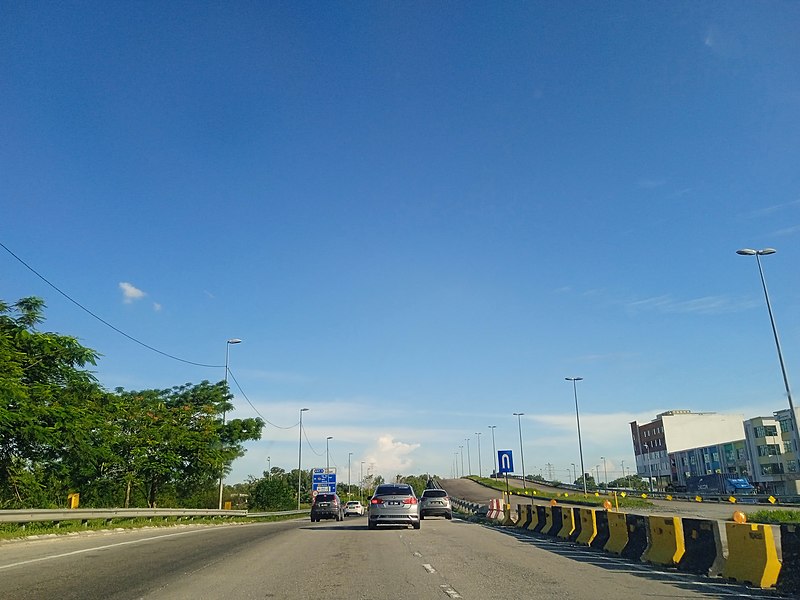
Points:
575	381
462	459
269	467
455	463
361	481
469	460
480	471
521	451
649	466
574	472
300	457
758	254
605	470
222	469
349	455
328	454
494	450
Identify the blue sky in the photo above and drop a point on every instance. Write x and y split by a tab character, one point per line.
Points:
419	217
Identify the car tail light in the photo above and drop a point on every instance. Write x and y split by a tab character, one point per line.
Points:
411	500
376	501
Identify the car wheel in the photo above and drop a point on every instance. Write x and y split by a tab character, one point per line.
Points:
371	524
421	517
448	516
415	525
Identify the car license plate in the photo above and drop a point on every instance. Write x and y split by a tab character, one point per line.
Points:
394	503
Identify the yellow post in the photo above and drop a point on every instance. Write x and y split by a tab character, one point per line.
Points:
73	500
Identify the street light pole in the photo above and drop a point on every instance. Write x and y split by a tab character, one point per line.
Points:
574	473
349	455
300	457
792	415
521	451
328	455
494	450
480	471
222	468
605	470
462	460
269	468
469	460
649	466
575	381
361	482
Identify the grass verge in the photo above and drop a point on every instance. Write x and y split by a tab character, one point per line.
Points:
21	530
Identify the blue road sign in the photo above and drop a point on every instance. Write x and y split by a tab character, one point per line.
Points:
505	461
323	480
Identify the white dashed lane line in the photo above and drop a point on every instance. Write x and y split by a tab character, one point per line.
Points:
447	589
429	568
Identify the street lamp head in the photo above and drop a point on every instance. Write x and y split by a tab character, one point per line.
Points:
518	414
234	341
303	409
492	426
751	252
330	437
574	378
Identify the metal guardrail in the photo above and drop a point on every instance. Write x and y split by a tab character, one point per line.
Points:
81	514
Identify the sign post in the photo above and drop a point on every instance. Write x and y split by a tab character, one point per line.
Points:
505	462
323	481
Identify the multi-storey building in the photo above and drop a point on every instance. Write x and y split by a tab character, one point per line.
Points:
675	431
771	447
728	458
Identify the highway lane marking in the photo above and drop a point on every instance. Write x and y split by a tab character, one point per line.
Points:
448	589
417	554
106	547
428	568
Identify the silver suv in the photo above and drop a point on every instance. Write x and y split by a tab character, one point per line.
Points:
435	503
393	504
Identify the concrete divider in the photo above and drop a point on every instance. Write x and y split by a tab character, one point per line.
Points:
665	536
789	577
588	526
576	519
601	538
703	546
524	517
506	517
554	515
637	537
617	533
541	518
532	526
752	554
567	522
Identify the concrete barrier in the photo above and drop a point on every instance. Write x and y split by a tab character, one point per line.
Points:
601	538
617	533
524	516
541	518
567	521
789	577
506	518
703	547
495	509
752	554
637	537
666	546
588	526
576	519
554	520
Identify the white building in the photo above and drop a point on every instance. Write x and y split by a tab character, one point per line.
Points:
773	453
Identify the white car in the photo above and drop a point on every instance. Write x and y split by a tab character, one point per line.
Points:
354	507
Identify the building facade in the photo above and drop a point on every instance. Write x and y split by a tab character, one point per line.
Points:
772	450
677	431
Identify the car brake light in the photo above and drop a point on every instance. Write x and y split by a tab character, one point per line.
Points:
376	501
411	500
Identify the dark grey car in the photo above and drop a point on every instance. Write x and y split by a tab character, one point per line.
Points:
393	504
435	503
327	506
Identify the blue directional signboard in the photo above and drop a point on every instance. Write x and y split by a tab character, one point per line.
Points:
505	461
323	481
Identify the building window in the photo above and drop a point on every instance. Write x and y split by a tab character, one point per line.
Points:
769	450
788	446
770	430
791	466
786	426
759	431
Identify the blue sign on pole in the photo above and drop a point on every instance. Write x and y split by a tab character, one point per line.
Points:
323	480
505	461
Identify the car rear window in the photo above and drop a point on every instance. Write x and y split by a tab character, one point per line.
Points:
394	490
325	498
434	493
353	503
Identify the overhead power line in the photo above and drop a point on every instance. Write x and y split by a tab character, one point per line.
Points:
255	409
103	321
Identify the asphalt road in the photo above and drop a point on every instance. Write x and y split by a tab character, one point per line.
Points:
467	489
298	559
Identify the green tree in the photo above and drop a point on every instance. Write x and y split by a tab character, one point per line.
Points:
43	387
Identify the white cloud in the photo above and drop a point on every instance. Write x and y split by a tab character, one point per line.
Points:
390	456
706	305
156	306
130	292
